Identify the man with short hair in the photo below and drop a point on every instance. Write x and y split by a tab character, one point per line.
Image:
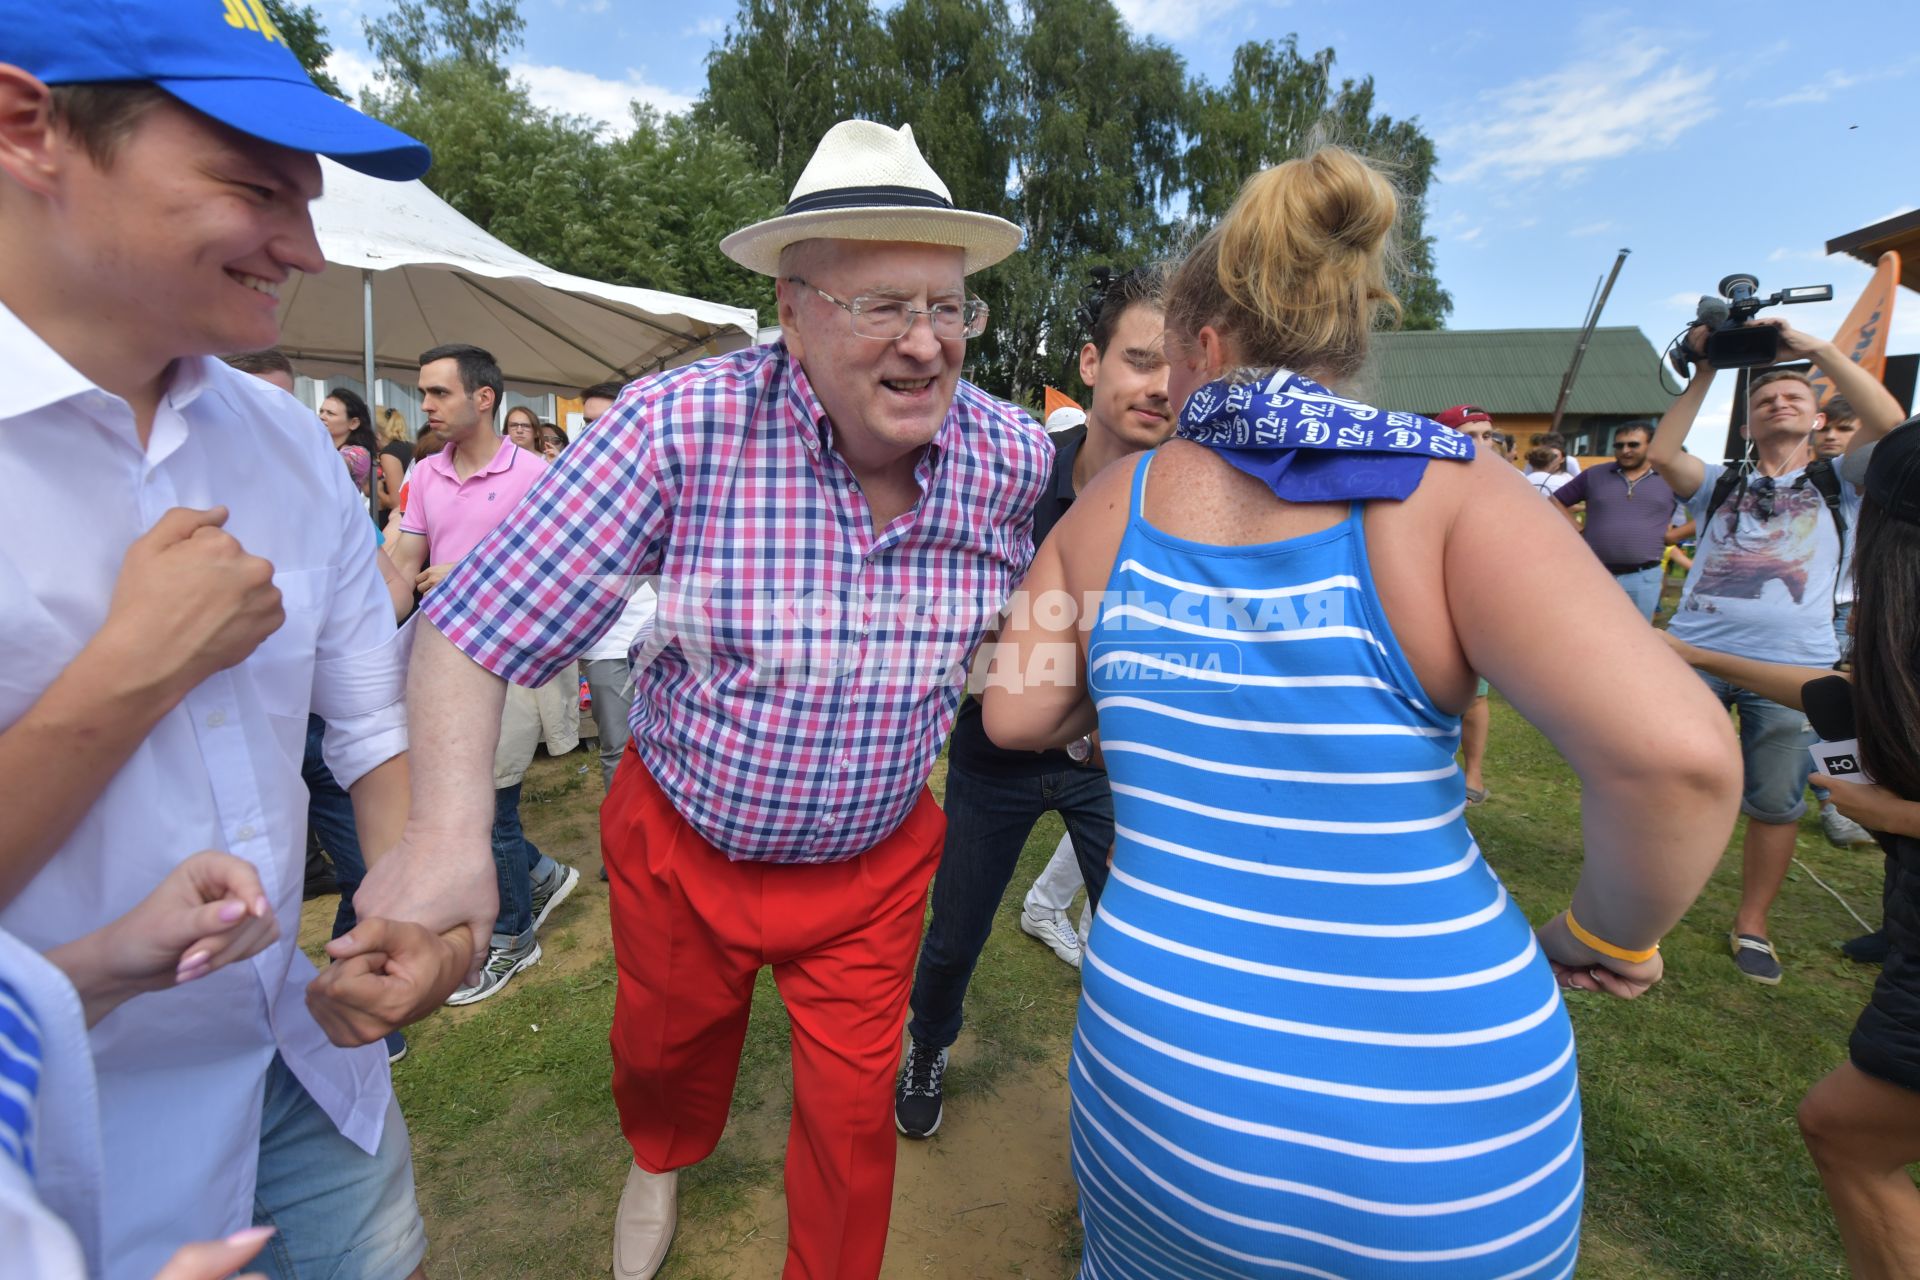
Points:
270	365
835	518
994	796
157	162
460	495
1628	512
1762	586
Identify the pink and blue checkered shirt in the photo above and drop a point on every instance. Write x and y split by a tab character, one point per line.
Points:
807	669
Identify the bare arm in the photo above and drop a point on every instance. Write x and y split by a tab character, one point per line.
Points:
1681	470
399	589
439	870
1655	814
380	806
1775	681
409	555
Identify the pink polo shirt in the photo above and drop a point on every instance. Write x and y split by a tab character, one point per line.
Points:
454	514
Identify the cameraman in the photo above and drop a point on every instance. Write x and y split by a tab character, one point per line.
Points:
1763	585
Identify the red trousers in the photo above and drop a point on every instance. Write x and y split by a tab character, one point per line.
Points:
691	930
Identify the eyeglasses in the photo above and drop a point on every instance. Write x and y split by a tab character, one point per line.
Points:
889	319
1618	445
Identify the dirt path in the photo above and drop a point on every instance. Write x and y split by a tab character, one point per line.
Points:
989	1195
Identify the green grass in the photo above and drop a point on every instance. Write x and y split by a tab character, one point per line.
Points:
1694	1164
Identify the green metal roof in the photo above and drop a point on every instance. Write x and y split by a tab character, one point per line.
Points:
1515	371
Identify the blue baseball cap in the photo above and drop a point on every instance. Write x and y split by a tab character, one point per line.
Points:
224	58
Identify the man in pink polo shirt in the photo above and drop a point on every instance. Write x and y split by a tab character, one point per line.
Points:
457	497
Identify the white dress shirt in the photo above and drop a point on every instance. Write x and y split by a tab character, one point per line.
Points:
181	1071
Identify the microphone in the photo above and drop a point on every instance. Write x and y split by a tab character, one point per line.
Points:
1829	704
1712	312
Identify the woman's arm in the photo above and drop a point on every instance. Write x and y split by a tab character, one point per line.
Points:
1661	784
1775	681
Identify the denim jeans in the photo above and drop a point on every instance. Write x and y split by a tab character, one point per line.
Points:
517	864
1643	588
988	822
330	815
1773	748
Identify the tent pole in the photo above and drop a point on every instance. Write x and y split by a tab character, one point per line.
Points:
366	316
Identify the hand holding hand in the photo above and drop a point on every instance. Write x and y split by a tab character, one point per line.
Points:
386	974
217	1259
1687	652
439	879
1580	967
190	600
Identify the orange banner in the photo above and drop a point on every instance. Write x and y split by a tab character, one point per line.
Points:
1864	335
1061	400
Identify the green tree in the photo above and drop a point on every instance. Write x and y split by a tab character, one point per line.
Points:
647	209
306	35
787	70
421	34
1095	116
1277	105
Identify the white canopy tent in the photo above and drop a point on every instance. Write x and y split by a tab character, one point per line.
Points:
407	272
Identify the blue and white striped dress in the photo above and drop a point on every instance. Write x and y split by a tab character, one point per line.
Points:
1315	1037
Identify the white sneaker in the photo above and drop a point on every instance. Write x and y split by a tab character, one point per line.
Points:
1841	830
1055	932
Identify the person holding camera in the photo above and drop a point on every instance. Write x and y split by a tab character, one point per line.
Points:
1861	1122
1763	584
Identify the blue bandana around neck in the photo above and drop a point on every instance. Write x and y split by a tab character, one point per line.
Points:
1309	445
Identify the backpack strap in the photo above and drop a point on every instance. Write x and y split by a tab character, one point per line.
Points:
1723	489
1822	476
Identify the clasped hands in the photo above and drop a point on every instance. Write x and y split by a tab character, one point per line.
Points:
428	909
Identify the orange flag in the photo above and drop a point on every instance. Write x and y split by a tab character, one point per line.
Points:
1061	400
1864	335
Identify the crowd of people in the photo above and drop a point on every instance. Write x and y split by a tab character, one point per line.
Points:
1231	624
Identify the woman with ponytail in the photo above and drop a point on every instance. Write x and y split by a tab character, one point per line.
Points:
1315	1036
1862	1121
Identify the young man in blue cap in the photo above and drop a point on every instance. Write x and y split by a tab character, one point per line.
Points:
185	573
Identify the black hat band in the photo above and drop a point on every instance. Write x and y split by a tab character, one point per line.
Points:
867	198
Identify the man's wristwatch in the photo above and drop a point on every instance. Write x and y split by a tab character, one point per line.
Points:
1080	750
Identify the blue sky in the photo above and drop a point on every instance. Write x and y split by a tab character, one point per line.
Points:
1708	138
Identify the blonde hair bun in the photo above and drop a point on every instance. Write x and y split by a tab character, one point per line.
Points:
1296	273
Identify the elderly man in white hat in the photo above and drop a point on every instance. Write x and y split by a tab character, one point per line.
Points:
834	520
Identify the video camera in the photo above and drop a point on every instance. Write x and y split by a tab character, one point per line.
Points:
1731	343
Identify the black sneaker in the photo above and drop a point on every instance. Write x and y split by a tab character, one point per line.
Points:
916	1099
1868	948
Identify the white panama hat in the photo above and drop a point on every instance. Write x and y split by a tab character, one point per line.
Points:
868	182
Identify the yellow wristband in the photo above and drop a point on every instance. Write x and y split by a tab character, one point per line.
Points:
1606	948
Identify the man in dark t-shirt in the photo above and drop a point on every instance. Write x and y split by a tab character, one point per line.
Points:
994	797
1629	509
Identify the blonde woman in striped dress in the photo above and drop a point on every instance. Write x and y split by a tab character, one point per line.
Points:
1316	1037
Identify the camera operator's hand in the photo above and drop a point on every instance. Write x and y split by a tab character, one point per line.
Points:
1795	345
1872	805
1696	343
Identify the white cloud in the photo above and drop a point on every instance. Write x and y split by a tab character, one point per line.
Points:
707	28
1175	19
1784	254
581	93
1628	95
351	70
1469	236
1592	228
1833	82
